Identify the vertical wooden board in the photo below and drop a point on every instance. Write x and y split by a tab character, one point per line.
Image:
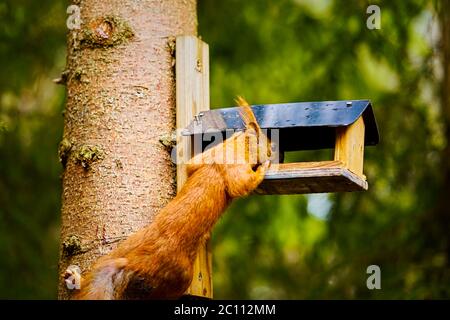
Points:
192	92
349	147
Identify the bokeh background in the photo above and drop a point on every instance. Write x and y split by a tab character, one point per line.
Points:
270	51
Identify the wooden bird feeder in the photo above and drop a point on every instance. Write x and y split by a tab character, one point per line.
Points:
346	126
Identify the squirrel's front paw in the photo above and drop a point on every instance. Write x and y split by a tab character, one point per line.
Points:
260	173
241	180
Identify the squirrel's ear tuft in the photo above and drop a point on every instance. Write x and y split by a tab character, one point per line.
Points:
241	102
246	113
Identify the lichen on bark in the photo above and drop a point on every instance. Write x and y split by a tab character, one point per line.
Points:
65	146
72	245
168	140
86	155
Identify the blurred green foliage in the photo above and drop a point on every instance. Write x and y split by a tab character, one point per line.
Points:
284	51
268	51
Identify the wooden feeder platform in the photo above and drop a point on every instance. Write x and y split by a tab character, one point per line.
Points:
310	177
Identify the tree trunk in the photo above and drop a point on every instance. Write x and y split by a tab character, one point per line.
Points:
120	101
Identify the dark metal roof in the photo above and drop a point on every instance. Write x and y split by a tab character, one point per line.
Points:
302	125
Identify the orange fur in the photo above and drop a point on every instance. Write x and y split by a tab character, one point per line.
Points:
156	262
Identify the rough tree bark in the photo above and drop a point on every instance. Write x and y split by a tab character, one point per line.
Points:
120	101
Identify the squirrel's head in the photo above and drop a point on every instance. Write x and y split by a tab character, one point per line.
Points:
250	146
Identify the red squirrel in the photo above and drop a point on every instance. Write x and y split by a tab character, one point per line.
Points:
157	261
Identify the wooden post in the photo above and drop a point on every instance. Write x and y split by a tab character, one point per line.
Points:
192	90
349	147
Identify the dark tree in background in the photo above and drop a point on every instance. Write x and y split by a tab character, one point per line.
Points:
269	52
